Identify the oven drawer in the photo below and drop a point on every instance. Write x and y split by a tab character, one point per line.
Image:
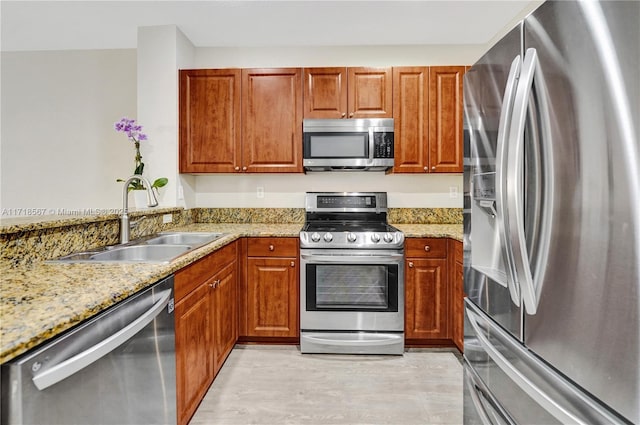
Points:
272	247
426	247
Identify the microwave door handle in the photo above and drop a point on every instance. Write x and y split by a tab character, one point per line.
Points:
372	147
502	165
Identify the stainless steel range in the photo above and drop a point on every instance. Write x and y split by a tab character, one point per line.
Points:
352	276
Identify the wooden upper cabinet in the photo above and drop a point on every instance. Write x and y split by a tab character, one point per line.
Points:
209	120
272	120
411	119
445	119
325	92
356	92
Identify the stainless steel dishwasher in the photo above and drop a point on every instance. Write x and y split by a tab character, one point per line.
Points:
116	368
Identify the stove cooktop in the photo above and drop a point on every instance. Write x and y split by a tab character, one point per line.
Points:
348	220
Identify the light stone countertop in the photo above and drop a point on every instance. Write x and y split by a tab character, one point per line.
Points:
41	300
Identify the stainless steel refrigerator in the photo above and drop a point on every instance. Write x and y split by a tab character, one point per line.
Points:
552	219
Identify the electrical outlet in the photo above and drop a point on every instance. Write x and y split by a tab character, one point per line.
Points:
453	192
180	192
260	192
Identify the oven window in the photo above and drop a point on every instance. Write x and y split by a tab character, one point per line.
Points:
352	287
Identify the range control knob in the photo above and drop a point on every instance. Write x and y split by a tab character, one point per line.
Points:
388	237
315	237
375	238
328	237
351	237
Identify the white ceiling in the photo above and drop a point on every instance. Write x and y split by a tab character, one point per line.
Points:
60	25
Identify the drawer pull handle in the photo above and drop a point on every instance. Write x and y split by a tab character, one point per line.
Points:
427	248
410	264
272	248
293	264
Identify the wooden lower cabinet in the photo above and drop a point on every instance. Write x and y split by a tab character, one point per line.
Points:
457	293
430	315
426	313
225	313
194	338
270	301
205	323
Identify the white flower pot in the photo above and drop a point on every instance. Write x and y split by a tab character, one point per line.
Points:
139	199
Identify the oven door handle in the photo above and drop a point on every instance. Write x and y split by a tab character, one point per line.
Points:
390	258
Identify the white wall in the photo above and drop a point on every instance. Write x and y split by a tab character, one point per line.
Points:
59	148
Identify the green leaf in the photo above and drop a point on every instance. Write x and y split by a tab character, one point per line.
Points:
139	169
162	181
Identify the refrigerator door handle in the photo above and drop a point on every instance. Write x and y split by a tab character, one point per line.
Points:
560	413
502	149
530	284
81	360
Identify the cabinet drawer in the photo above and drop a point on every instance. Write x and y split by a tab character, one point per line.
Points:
425	247
187	279
272	247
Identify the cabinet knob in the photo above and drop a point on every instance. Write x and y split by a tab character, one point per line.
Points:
215	284
427	248
272	248
237	168
244	168
351	115
433	168
293	264
410	264
344	114
426	168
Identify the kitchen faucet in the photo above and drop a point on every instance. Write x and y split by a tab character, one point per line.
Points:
152	201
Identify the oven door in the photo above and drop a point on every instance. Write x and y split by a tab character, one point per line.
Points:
352	290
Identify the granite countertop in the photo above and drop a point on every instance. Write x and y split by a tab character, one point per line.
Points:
41	300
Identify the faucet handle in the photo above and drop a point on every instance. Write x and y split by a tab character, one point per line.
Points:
136	222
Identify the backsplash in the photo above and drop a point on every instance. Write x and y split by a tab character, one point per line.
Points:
425	215
249	215
296	215
23	241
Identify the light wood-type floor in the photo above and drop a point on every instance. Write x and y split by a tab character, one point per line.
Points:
278	385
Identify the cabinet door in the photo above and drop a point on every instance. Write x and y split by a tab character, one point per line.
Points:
445	119
225	314
426	309
272	297
272	120
194	351
325	92
457	293
209	120
370	93
411	119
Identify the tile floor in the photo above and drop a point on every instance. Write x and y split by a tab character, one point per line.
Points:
278	385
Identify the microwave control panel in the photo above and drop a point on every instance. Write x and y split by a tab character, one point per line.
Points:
383	144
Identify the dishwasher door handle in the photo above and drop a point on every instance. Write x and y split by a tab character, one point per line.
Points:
81	360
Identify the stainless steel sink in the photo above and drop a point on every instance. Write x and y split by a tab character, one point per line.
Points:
183	238
159	248
142	253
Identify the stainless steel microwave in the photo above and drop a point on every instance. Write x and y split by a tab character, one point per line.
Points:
347	144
